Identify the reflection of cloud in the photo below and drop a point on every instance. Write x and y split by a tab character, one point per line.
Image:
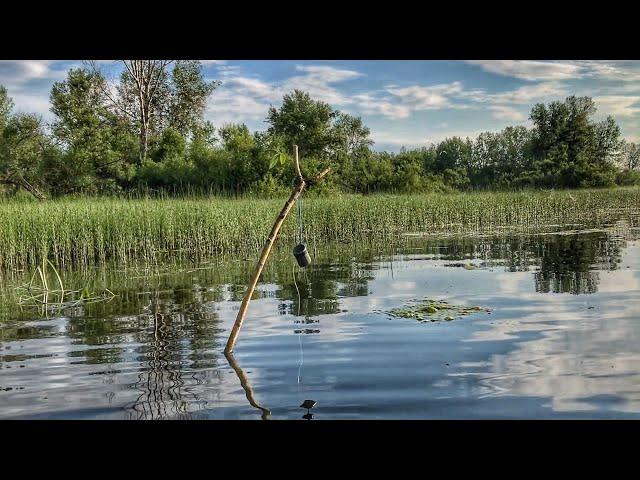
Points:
622	281
263	320
532	346
581	358
512	283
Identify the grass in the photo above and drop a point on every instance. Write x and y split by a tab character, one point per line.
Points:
71	232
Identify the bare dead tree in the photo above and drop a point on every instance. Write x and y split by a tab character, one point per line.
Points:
137	98
147	76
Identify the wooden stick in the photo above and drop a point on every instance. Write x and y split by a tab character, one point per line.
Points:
296	162
244	381
266	250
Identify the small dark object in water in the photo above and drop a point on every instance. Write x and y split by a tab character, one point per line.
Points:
302	255
308	404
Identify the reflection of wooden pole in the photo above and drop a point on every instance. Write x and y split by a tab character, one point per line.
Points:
245	385
266	250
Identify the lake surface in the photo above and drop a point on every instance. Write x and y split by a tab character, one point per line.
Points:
560	339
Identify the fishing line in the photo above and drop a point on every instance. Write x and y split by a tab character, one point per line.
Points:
300	334
300	221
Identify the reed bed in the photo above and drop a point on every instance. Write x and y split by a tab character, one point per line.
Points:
90	231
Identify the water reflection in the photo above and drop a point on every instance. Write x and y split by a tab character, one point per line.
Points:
155	351
580	354
569	263
244	381
160	383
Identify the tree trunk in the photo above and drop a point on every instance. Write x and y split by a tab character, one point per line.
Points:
33	190
144	143
22	183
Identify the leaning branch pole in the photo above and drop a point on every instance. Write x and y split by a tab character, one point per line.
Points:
301	184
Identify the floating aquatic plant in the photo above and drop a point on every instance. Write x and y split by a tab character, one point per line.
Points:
430	310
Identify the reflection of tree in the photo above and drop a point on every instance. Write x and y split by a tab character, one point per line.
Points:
160	382
177	334
320	287
567	263
179	341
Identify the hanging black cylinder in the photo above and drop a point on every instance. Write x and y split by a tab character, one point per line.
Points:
302	255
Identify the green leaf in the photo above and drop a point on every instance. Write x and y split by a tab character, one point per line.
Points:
274	161
283	158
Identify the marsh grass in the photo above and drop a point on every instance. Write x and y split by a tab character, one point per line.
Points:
89	231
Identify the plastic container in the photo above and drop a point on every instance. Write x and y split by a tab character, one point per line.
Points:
302	255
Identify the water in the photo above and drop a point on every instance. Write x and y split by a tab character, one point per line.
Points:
562	339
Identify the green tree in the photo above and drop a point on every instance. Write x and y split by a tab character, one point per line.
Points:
247	159
452	160
23	145
569	149
189	93
500	158
304	122
351	135
99	151
6	106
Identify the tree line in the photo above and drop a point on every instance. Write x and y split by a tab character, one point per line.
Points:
146	132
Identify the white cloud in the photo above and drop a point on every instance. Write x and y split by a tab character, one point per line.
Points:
524	95
318	81
413	98
419	97
253	87
618	105
395	141
208	63
243	98
400	102
502	112
502	105
29	103
226	71
369	104
538	70
240	99
529	69
619	71
28	83
16	73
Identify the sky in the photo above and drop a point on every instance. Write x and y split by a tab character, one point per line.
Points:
408	103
